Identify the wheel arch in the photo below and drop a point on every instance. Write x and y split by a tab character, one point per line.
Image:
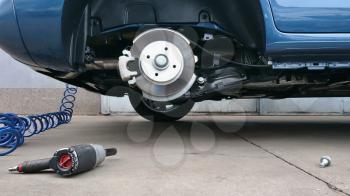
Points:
243	19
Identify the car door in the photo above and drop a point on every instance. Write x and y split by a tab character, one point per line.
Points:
311	16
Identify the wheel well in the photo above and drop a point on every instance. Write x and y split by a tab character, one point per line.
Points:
242	19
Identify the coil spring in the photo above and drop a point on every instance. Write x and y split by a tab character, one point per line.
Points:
14	129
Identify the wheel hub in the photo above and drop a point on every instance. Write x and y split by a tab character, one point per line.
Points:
161	63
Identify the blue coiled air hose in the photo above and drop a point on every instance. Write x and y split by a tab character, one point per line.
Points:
14	129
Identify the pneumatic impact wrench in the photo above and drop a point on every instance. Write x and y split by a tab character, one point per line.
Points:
69	161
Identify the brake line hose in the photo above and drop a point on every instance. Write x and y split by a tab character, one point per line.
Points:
14	129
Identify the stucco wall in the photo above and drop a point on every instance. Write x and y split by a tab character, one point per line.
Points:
24	91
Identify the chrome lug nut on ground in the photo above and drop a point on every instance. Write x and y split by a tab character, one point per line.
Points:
325	161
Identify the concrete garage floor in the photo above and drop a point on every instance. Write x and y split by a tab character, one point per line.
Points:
197	156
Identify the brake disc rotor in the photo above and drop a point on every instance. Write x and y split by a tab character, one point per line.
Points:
166	62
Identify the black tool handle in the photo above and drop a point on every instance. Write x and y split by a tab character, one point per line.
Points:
34	166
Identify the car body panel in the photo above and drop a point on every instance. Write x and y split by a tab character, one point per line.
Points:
281	44
10	36
311	16
42	32
40	24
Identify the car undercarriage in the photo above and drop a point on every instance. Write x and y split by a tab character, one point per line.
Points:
174	53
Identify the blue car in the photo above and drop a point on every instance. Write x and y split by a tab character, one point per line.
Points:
168	54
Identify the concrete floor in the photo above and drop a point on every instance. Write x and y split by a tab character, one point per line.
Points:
212	155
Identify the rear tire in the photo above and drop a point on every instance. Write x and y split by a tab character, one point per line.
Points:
159	111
